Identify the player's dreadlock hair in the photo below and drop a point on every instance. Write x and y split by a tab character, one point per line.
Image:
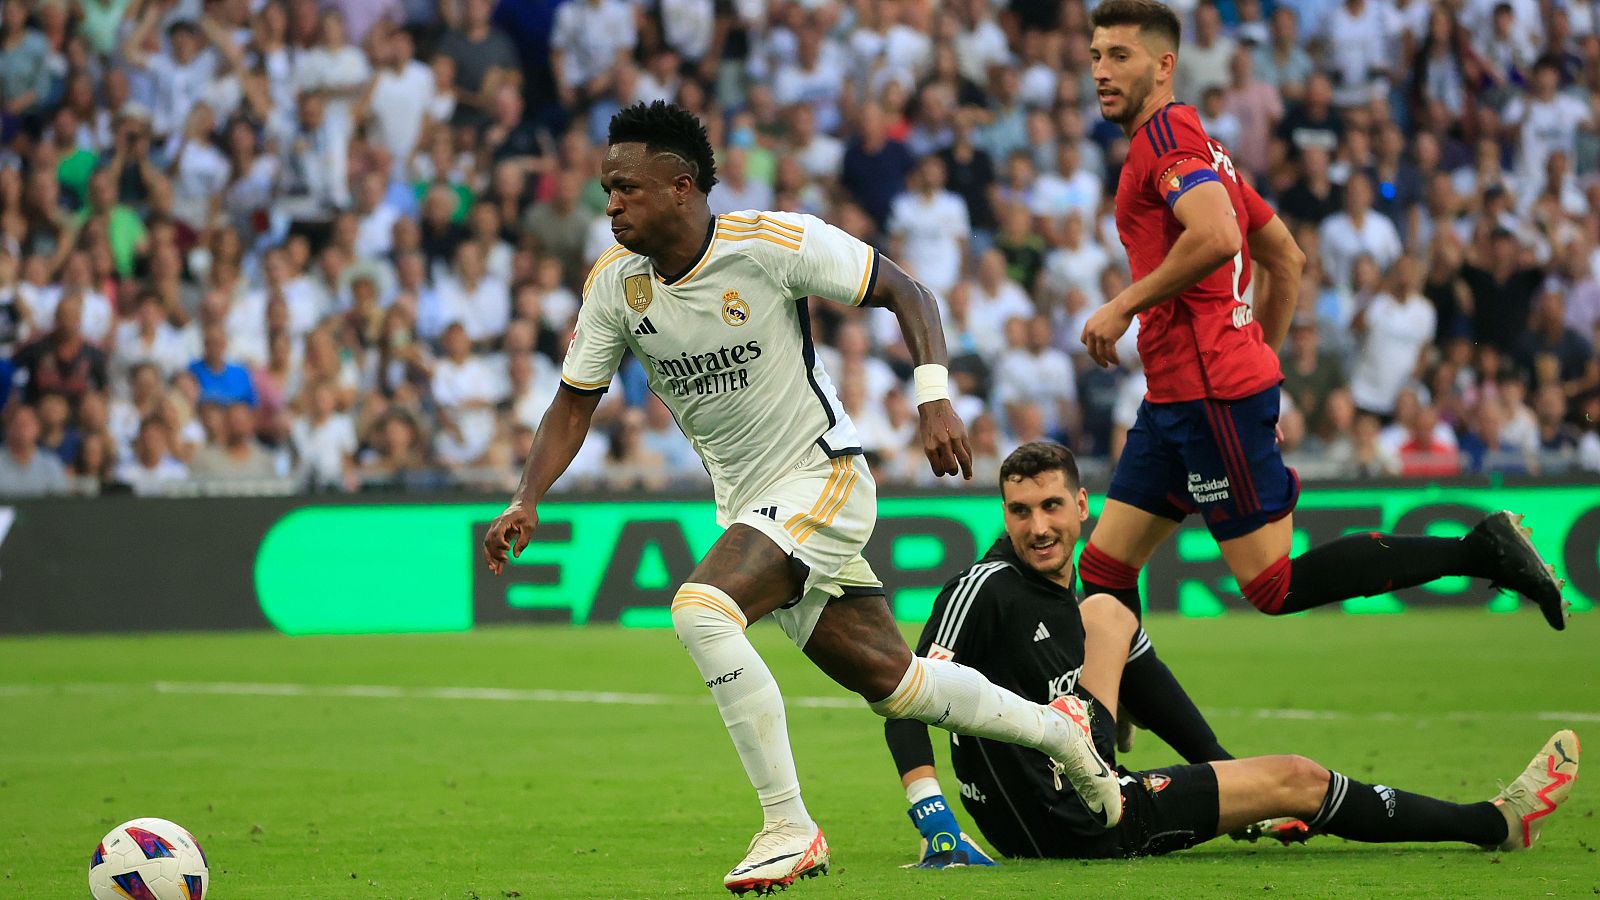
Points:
1148	15
668	128
1038	457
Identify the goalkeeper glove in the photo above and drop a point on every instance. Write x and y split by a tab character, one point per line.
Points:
943	843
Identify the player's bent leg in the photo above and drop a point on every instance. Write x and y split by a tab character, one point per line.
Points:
1369	563
1108	631
958	698
1267	787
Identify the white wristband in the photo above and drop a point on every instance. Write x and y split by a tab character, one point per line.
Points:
921	789
932	382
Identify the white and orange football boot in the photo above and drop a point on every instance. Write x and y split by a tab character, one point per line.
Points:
1542	786
780	854
1094	782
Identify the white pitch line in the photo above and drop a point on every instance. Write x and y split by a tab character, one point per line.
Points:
536	695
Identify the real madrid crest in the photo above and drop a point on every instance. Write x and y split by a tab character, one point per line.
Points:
639	292
734	311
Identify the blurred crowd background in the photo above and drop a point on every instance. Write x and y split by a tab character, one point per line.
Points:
267	246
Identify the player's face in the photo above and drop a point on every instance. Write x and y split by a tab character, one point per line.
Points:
1124	71
645	194
1044	517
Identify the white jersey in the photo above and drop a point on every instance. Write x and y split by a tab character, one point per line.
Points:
728	345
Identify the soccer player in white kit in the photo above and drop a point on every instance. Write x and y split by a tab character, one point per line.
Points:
715	309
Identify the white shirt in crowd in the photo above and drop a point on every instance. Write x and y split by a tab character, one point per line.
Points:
589	34
1545	128
1342	241
1044	377
932	228
483	309
988	313
1395	334
399	104
1358	42
323	448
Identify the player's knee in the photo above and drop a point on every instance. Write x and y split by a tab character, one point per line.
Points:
1270	588
701	612
1304	782
1105	615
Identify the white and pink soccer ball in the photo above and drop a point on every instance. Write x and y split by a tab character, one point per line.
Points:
149	859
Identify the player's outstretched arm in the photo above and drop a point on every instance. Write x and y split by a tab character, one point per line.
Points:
1278	262
944	438
561	433
1211	237
943	842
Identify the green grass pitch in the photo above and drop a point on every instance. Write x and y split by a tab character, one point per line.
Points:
338	768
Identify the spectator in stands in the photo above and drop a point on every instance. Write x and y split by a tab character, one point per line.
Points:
221	381
25	469
928	226
1423	454
61	361
1549	334
1502	289
586	40
234	455
324	441
1310	374
875	166
1034	374
1396	330
1357	230
151	469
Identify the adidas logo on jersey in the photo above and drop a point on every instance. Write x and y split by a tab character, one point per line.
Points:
645	327
1040	633
770	512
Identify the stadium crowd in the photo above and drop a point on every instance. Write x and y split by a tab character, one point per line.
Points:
279	245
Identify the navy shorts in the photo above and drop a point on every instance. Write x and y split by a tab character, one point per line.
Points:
1219	458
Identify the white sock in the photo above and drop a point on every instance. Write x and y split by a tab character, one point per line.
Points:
959	698
711	627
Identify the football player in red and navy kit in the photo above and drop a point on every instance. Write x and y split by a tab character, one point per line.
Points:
1205	437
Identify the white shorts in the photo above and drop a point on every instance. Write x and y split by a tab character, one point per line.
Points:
822	514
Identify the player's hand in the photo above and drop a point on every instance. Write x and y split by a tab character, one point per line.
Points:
509	534
1100	334
944	439
943	843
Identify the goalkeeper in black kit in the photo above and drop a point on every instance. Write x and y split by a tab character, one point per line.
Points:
1015	617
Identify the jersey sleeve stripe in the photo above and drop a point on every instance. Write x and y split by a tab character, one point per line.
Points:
795	230
869	277
955	613
757	235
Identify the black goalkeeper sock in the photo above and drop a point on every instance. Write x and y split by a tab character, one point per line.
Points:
1361	565
1379	814
1153	696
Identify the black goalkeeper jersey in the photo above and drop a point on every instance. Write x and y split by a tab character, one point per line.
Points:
1025	634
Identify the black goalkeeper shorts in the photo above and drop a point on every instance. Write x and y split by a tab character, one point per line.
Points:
1163	810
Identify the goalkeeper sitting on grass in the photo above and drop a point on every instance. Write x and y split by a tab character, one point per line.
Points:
1014	617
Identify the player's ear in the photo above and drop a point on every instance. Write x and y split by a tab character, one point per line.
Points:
1083	504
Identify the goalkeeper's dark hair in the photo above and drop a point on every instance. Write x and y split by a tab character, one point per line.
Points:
1036	458
667	127
1146	15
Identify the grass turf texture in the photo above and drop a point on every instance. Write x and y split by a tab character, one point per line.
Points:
312	796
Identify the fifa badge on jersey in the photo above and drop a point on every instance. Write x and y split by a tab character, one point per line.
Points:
1155	784
734	311
639	292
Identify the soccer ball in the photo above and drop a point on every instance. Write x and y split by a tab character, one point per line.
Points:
148	859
